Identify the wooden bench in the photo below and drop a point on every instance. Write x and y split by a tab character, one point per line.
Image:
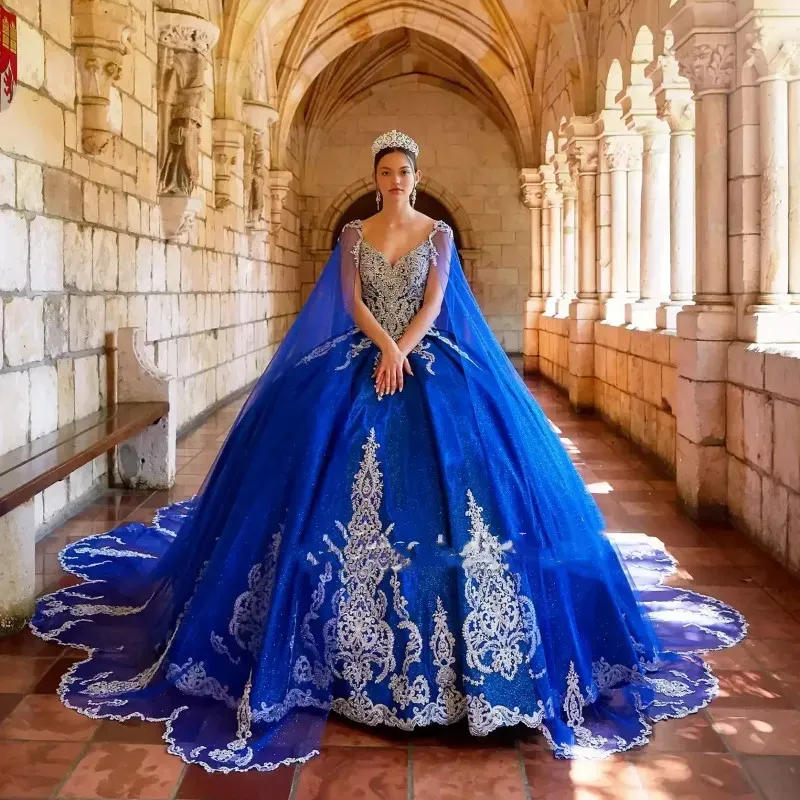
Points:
138	428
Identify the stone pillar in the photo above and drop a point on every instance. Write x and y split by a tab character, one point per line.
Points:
794	189
101	33
654	277
531	186
676	107
771	318
553	202
17	568
585	310
706	329
617	152
569	228
184	44
633	256
543	172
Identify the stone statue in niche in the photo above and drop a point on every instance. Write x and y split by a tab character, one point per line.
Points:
255	201
182	88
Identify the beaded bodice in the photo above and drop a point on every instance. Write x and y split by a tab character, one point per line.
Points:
394	292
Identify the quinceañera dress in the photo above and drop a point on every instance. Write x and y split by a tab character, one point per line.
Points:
422	559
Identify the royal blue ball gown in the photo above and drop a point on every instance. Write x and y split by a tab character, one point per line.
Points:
424	558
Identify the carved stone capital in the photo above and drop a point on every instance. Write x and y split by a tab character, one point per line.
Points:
531	190
101	35
583	156
178	31
228	149
258	115
771	52
622	153
708	66
279	183
676	107
552	195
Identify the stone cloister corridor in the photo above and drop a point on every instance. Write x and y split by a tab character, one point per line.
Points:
623	181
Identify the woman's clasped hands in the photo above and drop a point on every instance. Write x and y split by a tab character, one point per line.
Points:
390	370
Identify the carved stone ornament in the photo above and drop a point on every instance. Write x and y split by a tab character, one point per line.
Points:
177	31
101	34
621	154
708	67
228	152
258	117
531	191
279	182
184	43
583	156
676	107
772	55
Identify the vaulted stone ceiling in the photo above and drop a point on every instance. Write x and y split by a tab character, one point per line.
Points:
324	54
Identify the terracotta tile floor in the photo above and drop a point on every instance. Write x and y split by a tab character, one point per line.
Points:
746	745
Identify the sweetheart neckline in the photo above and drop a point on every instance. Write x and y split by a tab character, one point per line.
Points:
405	255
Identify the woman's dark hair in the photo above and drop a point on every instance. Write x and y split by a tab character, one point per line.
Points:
386	150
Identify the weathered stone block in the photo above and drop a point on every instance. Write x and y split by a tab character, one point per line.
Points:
144	266
30	187
774	518
701	476
47	255
17	567
59	79
793	535
30	42
14	238
782	375
33	127
86	322
87	386
66	392
702	360
700	411
23	327
7	180
734	416
63	195
105	265
44	400
78	257
786	452
127	262
758	429
56	325
651	383
15	409
745	365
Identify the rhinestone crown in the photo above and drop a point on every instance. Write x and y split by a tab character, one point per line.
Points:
394	139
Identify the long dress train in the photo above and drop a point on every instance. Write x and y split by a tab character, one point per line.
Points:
427	557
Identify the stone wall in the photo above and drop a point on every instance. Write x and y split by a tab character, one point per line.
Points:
762	407
84	251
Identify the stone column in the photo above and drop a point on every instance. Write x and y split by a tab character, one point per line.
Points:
794	189
228	148
706	329
676	107
585	310
545	237
654	277
617	151
633	257
569	194
532	194
771	318
553	201
184	44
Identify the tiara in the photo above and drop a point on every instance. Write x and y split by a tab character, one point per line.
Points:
394	139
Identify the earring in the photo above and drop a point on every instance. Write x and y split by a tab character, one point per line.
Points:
413	196
378	199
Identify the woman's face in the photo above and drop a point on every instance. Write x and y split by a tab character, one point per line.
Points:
396	178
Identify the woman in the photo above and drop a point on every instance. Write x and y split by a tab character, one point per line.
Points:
392	531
